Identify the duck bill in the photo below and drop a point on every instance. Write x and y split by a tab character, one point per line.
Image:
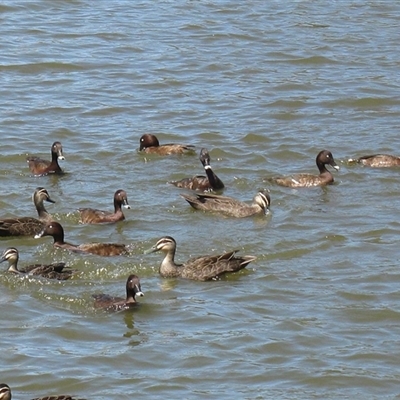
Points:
336	167
126	205
60	156
39	235
140	294
152	249
50	200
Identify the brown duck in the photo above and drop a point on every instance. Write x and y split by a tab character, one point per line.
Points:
93	216
28	226
50	271
110	303
38	166
55	230
229	206
150	144
200	268
377	161
5	394
323	159
200	182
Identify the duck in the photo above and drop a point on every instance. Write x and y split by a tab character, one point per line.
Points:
50	271
377	161
149	144
93	216
28	226
55	230
110	303
208	183
5	394
229	206
203	268
39	166
324	158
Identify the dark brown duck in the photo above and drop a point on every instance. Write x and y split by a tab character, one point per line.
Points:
377	161
55	230
50	271
203	268
38	166
5	394
93	216
200	182
229	206
150	144
323	159
110	303
28	226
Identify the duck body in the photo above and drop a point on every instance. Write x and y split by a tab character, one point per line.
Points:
50	271
378	161
5	394
229	206
324	158
110	303
55	230
28	226
211	182
202	268
149	144
94	216
38	166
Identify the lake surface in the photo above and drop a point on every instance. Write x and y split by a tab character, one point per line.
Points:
264	86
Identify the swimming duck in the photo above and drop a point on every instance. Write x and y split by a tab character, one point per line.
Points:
377	161
55	230
324	158
111	303
229	206
28	226
200	268
93	216
200	182
5	394
39	166
50	271
150	144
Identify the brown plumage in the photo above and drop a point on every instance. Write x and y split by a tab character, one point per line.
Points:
28	226
50	271
38	166
55	230
200	268
150	144
111	303
93	216
377	161
5	394
324	158
229	206
200	182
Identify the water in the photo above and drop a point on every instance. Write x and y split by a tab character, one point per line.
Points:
264	86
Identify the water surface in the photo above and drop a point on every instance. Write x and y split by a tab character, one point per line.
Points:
264	86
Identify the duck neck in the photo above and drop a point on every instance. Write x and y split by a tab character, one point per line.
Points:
168	268
215	182
42	212
322	168
130	296
12	266
59	239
